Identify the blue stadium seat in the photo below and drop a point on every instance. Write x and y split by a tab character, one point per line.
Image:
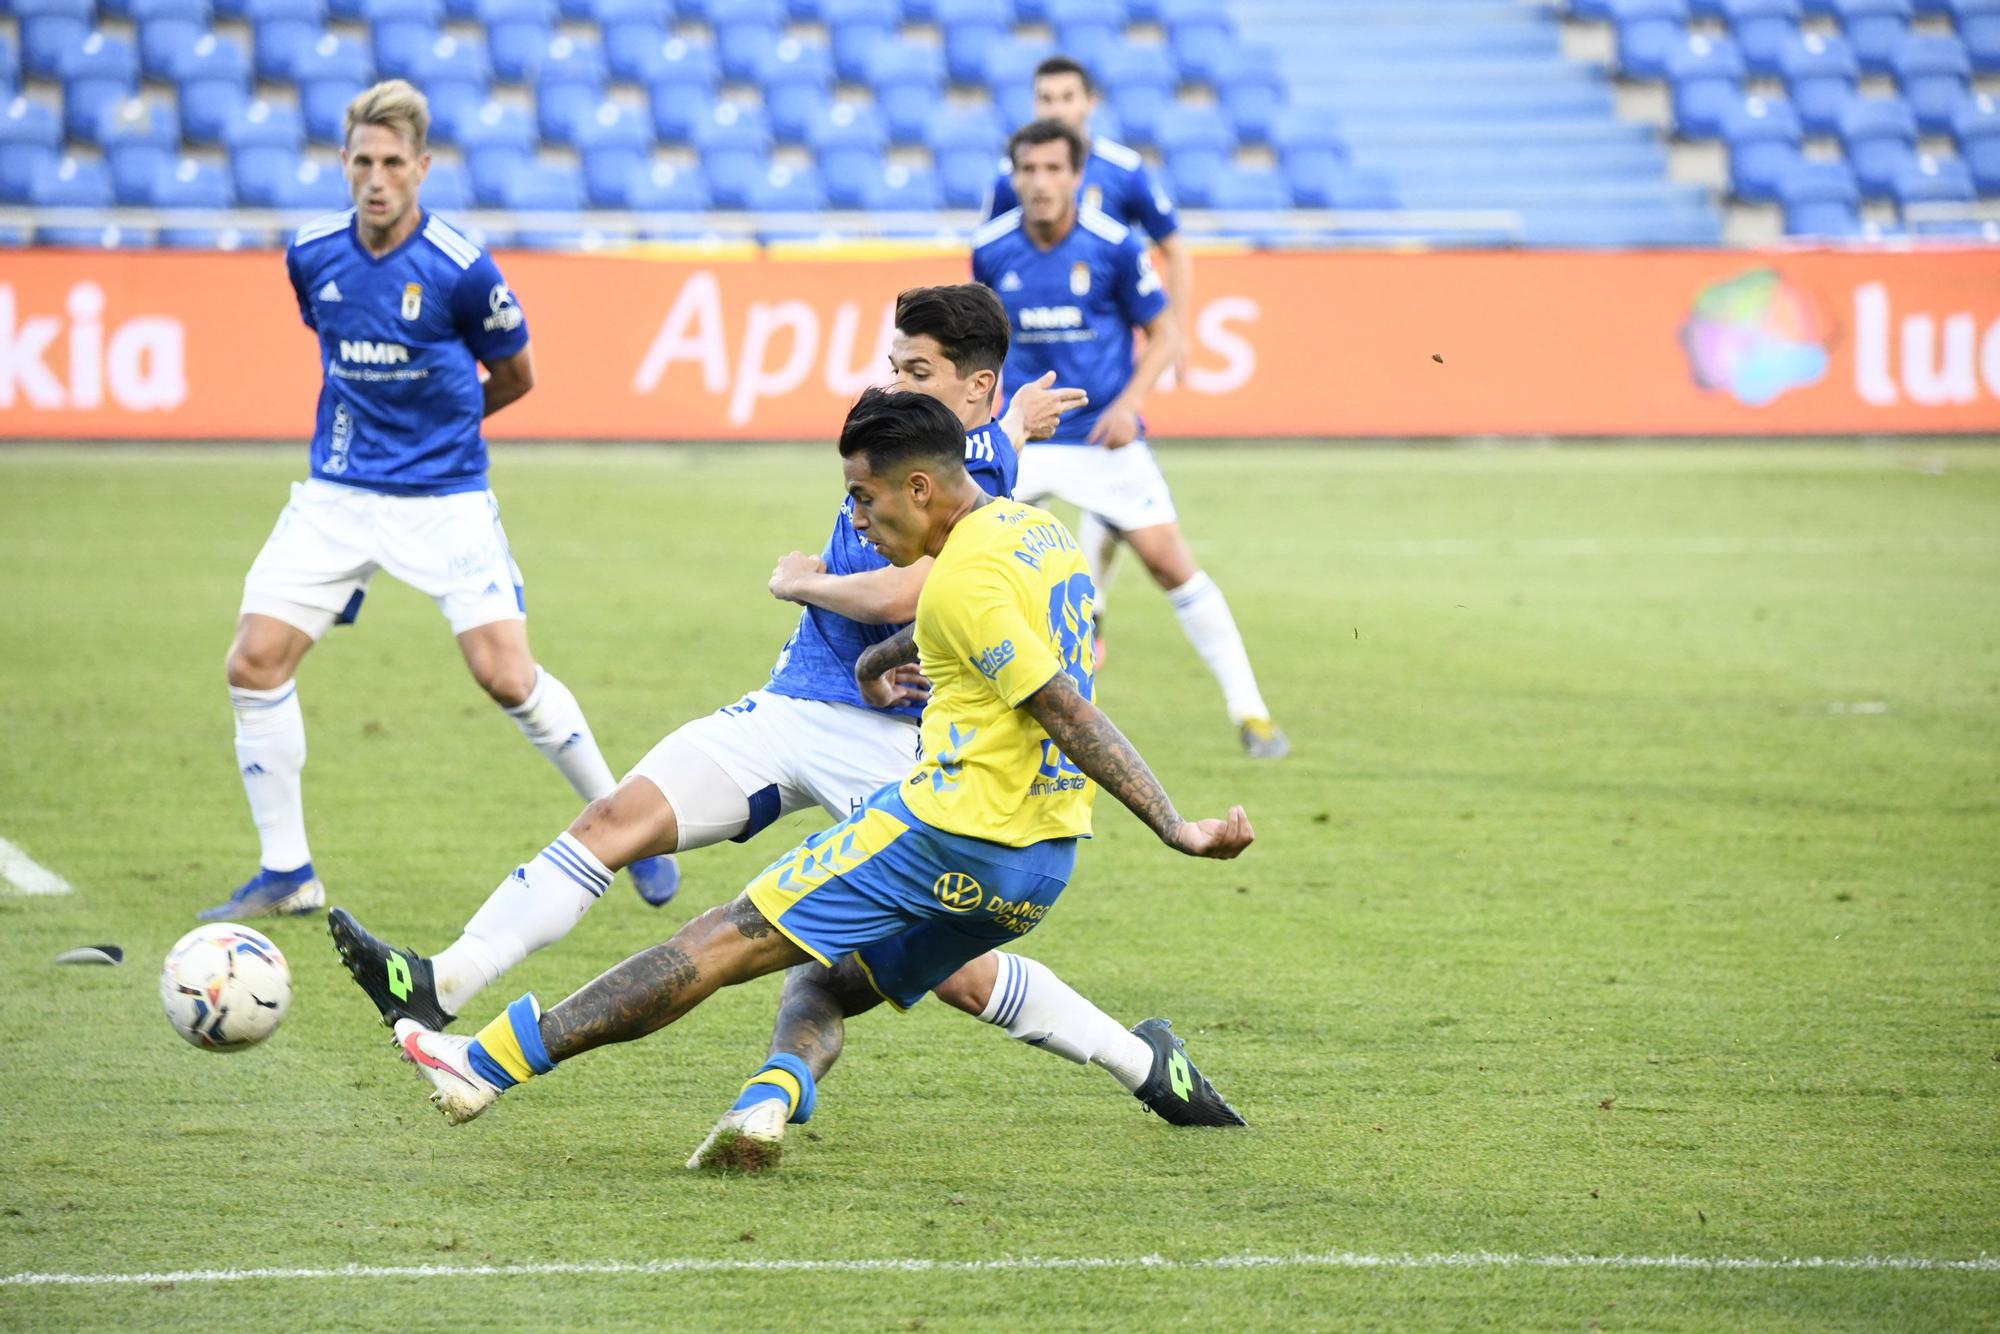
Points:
920	11
1761	29
1873	28
1244	189
569	85
1705	77
1820	199
735	146
496	141
848	142
909	87
1763	136
1648	30
1088	30
1935	74
1589	11
1197	32
264	140
633	54
214	79
71	182
965	144
280	29
900	189
1139	83
97	72
330	72
664	188
1820	73
1142	11
1879	136
517	32
1979	28
782	189
191	184
201	238
140	140
632	31
455	76
448	186
971	28
1197	145
797	79
1934	180
312	188
166	28
400	31
682	88
1008	71
1347	188
543	189
805	11
110	237
48	29
1310	149
744	31
10	63
1251	87
1976	128
613	142
30	143
854	29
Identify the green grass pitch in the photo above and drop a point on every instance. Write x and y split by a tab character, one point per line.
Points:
1633	891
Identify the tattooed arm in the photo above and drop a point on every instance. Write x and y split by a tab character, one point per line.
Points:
1095	745
887	672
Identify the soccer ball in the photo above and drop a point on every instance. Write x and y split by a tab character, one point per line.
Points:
225	987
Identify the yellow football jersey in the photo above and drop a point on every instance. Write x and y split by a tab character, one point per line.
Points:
1005	608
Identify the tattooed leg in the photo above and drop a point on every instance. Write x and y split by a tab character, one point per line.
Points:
725	945
812	1012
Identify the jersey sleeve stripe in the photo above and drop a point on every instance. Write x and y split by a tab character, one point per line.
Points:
1117	154
326	226
997	228
461	251
1103	224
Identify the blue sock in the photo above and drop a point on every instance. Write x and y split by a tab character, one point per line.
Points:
784	1076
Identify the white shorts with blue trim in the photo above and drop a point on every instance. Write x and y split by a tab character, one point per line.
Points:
1123	487
331	539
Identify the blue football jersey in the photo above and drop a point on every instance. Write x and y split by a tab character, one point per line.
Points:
400	341
1115	182
1071	309
817	662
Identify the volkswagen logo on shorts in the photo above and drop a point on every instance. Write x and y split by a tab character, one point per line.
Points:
958	892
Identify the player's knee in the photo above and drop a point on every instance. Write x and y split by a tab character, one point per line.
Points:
508	682
962	991
251	666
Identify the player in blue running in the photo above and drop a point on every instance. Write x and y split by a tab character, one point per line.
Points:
966	854
1116	182
1076	285
407	310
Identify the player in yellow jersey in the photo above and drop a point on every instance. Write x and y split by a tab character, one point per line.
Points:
973	847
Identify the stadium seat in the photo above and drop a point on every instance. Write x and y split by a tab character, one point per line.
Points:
797	79
543	189
1763	136
166	28
1935	75
854	29
312	188
1976	128
1879	136
631	31
735	146
1008	71
330	72
280	30
783	189
1142	11
456	78
71	182
920	11
1933	180
900	189
1250	85
1820	199
1761	29
612	143
400	31
569	85
448	187
1088	30
191	184
1139	83
264	140
965	143
1978	24
1245	189
30	143
848	142
681	88
1648	30
744	31
496	141
664	188
909	88
1704	77
139	139
1347	188
10	64
97	72
214	79
1310	149
517	32
109	237
1197	145
971	28
805	11
48	29
1198	32
1873	28
1820	73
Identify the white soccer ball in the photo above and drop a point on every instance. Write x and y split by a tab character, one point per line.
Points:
225	987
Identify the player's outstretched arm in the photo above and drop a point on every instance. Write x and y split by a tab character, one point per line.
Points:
507	380
1094	744
887	596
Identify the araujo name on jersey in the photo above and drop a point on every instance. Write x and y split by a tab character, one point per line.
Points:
1051	317
1039	540
374	354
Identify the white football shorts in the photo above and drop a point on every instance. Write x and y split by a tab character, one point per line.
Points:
327	545
782	755
1123	487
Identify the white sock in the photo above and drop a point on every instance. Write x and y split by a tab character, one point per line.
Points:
551	718
270	755
1039	1008
1206	621
1099	541
535	906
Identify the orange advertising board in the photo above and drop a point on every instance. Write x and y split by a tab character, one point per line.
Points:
194	346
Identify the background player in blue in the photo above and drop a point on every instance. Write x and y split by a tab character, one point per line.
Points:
1076	285
406	310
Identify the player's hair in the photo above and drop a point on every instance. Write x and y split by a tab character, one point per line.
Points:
1055	65
394	104
1045	132
896	432
966	319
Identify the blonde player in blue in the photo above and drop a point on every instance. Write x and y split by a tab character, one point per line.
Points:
972	848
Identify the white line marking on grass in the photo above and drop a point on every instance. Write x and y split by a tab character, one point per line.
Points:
28	875
1328	1260
1669	546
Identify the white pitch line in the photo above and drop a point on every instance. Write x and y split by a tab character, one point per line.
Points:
1470	1260
28	875
1668	546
